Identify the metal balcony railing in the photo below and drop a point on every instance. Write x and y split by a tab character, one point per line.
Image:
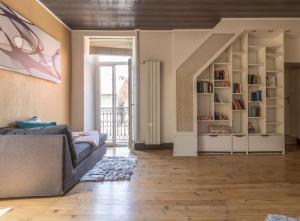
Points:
121	124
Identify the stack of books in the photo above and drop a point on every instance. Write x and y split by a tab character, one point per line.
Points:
256	95
254	79
222	84
220	116
254	111
204	87
220	74
238	104
205	117
237	88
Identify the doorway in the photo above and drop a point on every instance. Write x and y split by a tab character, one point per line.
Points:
114	61
292	103
113	76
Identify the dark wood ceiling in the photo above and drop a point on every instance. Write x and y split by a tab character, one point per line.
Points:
164	14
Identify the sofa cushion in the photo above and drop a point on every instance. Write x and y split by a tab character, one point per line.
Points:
24	125
83	151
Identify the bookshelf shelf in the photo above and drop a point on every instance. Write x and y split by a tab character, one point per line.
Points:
239	70
273	87
213	120
221	80
222	87
249	96
274	54
204	93
238	53
274	98
221	63
274	106
224	103
256	64
273	71
255	101
255	85
255	47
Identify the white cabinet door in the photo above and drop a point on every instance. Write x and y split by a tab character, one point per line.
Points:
214	143
265	143
239	143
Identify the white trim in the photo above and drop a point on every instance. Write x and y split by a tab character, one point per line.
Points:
51	13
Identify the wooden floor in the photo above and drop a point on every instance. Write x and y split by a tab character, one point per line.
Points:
208	187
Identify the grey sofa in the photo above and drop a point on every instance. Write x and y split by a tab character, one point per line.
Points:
43	162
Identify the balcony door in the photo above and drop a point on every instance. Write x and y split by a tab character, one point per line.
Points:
114	102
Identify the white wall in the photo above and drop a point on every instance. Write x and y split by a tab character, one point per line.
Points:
82	96
170	47
158	46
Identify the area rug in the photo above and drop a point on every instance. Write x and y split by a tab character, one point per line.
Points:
272	217
111	169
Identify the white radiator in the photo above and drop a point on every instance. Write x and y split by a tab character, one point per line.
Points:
151	72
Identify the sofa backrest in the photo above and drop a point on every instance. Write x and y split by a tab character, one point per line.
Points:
52	130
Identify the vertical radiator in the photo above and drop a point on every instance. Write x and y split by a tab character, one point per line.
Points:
151	72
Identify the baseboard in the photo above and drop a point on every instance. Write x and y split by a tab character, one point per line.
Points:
143	146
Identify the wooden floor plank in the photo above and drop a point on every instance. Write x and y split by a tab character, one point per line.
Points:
205	188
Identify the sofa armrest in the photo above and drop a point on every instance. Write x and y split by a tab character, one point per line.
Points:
31	165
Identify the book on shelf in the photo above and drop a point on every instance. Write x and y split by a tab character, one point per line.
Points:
256	95
238	104
236	88
205	117
221	116
204	87
218	99
222	84
252	129
271	81
221	74
254	111
254	79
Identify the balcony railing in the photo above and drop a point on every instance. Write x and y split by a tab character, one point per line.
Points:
121	124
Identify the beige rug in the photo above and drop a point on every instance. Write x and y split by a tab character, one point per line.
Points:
111	169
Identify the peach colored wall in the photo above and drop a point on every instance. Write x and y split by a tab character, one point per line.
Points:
23	96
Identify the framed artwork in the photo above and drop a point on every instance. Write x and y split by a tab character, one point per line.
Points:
27	49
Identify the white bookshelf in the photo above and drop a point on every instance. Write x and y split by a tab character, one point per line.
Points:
253	65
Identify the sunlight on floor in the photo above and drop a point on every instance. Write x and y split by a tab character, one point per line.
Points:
5	210
118	151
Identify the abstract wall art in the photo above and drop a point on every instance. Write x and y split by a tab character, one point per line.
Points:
27	49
